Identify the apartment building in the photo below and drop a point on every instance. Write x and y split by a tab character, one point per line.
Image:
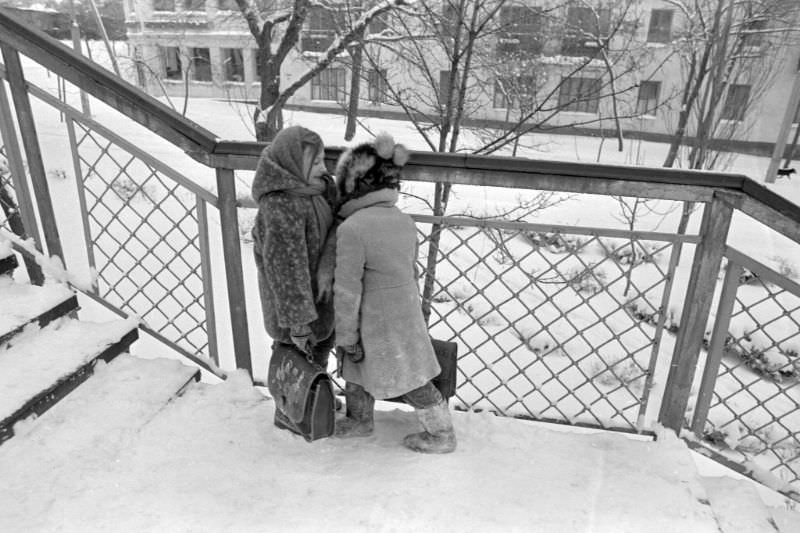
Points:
528	61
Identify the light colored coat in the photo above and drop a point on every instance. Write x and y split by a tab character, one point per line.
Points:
376	298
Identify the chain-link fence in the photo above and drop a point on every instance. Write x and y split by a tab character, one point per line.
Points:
551	324
146	238
754	369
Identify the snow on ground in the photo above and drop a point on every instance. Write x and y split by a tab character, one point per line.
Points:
212	461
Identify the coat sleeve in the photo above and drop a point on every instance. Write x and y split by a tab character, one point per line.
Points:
348	284
285	260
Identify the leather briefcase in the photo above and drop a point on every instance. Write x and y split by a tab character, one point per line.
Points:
302	391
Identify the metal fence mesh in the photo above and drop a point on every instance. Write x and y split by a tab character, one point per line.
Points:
8	200
144	232
754	410
550	325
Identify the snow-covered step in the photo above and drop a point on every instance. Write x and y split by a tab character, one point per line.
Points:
737	506
42	368
22	304
100	417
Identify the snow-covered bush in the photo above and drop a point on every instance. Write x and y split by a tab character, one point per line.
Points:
129	190
553	242
586	279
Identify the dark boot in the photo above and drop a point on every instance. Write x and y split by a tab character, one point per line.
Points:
359	421
438	437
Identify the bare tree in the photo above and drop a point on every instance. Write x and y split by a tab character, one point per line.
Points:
729	52
273	51
447	57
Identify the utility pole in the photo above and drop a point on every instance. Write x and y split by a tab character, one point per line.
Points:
102	27
75	33
786	126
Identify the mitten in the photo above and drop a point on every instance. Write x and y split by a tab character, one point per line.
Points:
301	337
354	352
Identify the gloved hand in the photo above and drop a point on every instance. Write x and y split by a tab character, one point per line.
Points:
354	352
302	338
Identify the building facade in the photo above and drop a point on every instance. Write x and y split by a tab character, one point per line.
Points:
529	61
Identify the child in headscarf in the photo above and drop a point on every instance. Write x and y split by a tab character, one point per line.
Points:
296	197
381	334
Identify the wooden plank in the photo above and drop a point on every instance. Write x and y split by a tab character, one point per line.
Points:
699	295
208	281
231	244
30	141
716	348
88	241
104	85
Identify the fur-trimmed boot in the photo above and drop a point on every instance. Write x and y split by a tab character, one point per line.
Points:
439	435
360	421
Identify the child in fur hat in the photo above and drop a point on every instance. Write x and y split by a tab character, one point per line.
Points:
296	197
382	339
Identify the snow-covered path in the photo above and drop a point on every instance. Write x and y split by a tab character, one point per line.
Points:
212	461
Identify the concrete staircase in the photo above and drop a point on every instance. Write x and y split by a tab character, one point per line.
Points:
47	354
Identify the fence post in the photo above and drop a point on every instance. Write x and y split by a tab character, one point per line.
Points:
697	304
716	347
30	140
27	217
226	191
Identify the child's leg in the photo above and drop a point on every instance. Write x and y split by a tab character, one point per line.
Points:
359	421
438	435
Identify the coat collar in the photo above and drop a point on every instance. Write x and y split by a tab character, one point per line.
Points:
380	198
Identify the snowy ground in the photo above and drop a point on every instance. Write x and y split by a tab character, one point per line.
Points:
212	462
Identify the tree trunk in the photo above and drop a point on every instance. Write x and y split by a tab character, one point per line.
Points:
355	88
268	126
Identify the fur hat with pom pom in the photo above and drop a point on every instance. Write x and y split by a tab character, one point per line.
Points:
371	166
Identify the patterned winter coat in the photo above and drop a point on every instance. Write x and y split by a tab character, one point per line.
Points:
288	239
377	299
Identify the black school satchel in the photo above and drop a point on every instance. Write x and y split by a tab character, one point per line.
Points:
302	390
447	355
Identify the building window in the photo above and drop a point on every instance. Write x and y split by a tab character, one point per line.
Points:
194	5
321	30
201	64
520	30
172	62
163	5
233	64
376	84
329	84
753	32
587	29
444	86
579	94
647	101
736	102
660	30
514	92
228	5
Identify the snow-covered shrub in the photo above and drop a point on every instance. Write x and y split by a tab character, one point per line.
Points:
129	190
553	242
625	254
57	174
539	343
786	268
771	362
586	279
622	372
247	219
